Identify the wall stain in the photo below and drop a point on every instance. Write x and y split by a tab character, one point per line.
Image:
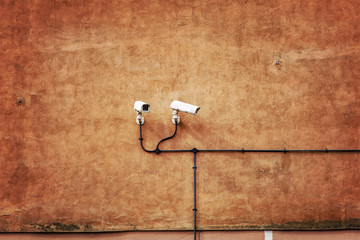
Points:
80	65
353	223
58	227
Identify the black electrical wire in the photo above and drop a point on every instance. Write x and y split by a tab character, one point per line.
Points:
195	151
157	150
141	142
281	151
194	209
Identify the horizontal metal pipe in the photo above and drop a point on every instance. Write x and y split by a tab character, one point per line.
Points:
280	151
194	151
178	150
157	150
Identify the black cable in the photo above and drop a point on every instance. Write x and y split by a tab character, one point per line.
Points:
141	143
281	151
194	150
194	167
157	150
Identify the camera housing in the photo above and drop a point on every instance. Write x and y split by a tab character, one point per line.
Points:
141	107
182	107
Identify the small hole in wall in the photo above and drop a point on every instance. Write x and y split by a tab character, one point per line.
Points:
278	64
20	100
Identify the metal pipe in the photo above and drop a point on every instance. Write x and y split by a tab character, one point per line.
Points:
195	209
141	141
281	151
176	151
157	150
195	151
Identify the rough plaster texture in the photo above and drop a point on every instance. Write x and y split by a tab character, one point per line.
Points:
203	235
267	74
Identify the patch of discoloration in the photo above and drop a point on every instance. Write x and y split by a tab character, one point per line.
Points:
293	225
58	227
69	152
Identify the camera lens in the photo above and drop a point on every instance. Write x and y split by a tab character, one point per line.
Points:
146	108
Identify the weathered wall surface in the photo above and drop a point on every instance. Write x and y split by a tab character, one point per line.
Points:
186	235
70	158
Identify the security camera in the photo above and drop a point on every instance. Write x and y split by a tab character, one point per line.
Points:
182	107
141	107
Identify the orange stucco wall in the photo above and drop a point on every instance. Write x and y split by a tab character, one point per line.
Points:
267	74
204	235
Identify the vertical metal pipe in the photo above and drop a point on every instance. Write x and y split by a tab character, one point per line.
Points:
194	167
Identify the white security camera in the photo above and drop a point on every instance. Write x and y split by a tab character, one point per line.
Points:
182	107
141	107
